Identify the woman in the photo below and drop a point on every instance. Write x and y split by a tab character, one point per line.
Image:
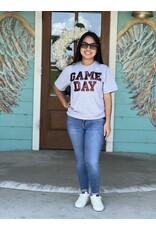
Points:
88	114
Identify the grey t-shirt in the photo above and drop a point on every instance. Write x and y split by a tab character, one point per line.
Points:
88	84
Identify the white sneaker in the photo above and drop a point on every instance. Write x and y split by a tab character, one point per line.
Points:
96	202
83	200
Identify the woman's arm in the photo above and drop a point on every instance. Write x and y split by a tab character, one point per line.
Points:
108	111
61	97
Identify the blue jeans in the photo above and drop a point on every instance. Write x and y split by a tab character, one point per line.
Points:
87	137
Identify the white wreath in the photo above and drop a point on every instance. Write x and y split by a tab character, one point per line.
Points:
60	46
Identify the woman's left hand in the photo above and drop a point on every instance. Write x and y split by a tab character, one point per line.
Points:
107	130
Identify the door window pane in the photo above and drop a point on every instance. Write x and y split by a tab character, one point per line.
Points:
60	21
91	20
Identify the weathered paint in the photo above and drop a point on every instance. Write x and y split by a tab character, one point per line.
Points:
52	188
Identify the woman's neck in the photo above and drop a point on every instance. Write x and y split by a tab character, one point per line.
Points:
87	61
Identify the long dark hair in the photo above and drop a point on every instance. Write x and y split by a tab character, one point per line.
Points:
98	56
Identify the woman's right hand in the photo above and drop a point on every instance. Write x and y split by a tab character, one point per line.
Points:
66	105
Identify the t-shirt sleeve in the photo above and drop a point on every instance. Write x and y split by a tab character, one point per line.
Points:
63	80
110	85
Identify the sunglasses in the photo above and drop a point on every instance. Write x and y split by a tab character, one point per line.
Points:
93	46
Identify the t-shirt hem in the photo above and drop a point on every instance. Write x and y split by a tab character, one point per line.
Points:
85	118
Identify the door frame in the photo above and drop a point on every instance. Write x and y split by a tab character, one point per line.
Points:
37	76
48	136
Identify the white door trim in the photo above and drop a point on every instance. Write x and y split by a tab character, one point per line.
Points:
112	65
37	81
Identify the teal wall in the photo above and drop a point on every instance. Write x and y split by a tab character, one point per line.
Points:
16	127
132	133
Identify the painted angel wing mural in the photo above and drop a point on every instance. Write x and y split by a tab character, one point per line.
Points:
136	51
16	49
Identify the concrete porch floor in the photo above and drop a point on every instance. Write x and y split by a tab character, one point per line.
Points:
43	185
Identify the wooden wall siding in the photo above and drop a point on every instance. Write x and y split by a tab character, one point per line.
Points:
16	128
132	133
